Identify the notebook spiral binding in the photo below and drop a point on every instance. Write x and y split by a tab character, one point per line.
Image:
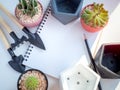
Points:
42	23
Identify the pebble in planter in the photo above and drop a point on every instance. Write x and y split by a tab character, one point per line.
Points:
80	77
66	10
108	60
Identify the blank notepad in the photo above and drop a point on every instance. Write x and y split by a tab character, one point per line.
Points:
64	46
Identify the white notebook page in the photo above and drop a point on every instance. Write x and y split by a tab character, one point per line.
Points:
64	47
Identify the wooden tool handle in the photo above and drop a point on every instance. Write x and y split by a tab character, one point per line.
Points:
10	16
4	24
4	39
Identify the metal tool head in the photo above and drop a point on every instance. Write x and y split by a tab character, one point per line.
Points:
17	40
16	63
34	39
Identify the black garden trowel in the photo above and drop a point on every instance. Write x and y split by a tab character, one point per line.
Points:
12	34
33	38
16	62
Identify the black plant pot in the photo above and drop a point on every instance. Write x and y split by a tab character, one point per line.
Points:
28	72
66	10
108	60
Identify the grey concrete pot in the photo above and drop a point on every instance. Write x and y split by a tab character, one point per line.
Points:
66	10
108	60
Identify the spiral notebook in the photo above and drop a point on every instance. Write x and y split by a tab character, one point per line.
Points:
64	46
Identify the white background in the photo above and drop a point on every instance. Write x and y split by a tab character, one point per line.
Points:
8	77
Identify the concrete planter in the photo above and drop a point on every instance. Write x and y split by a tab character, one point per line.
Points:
80	77
108	60
66	10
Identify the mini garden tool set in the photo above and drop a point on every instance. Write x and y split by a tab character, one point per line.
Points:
16	62
33	38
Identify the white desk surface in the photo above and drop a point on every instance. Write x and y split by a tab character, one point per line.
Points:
8	77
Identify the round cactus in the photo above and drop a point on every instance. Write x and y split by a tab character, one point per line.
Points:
31	83
95	15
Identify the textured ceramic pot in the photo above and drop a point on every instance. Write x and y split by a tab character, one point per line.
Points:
89	28
29	21
66	10
108	60
80	77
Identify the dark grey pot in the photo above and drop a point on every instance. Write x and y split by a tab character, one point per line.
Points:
31	71
66	10
108	61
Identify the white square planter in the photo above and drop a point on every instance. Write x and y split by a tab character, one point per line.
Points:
80	77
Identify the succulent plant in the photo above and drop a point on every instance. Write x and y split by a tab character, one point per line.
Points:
31	83
95	15
28	7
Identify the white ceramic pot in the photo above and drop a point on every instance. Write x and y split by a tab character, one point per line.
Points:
80	77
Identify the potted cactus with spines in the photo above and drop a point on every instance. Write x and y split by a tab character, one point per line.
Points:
94	17
29	8
32	79
29	12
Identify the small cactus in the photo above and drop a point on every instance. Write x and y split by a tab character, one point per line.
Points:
95	16
28	7
31	83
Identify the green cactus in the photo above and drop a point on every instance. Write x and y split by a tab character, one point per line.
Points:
31	83
28	7
95	15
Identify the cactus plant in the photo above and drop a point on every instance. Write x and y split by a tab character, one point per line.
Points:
29	12
94	15
28	7
32	79
31	83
